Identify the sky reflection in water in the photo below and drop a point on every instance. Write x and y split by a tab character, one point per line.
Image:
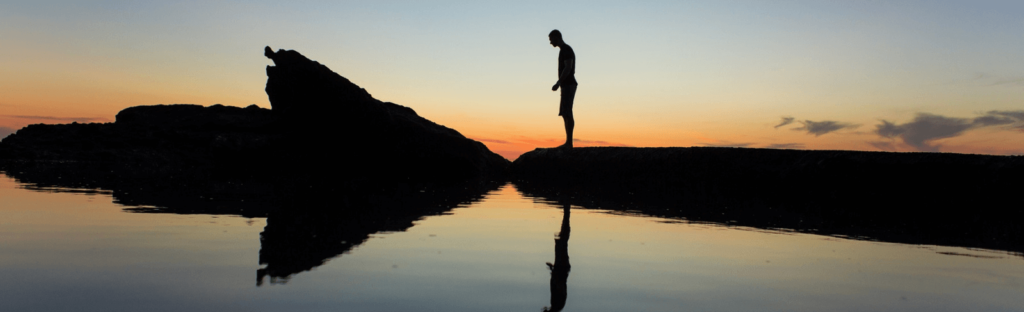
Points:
64	251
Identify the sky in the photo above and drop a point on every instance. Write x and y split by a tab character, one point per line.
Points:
901	76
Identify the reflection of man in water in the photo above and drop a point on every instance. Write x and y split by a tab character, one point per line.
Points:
566	80
560	269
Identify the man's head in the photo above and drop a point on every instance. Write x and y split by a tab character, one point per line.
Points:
556	38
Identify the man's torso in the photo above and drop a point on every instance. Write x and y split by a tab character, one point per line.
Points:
566	54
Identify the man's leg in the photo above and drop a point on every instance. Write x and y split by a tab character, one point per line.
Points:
569	125
568	96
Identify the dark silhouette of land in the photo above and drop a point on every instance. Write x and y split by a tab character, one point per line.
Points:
322	130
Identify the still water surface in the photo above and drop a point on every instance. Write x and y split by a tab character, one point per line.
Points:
62	251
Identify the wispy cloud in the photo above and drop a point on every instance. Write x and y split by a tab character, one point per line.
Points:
883	145
785	121
597	142
785	146
535	142
1014	82
492	141
927	128
727	144
59	119
992	80
817	128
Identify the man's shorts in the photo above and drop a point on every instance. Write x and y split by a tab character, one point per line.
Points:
568	94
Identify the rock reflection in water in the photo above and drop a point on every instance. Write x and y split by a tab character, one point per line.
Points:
315	230
152	189
739	208
304	229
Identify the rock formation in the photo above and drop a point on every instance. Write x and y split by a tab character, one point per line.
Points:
322	128
153	136
333	120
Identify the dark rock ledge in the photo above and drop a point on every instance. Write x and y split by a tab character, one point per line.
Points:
921	198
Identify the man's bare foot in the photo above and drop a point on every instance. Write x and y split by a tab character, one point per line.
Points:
565	146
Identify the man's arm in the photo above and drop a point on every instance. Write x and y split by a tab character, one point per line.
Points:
565	73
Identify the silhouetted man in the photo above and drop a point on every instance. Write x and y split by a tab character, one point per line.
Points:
566	80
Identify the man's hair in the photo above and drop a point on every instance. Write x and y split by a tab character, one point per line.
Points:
555	34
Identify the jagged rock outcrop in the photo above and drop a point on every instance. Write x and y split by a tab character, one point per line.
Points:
304	88
335	121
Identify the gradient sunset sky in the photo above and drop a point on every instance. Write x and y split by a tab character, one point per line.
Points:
856	75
